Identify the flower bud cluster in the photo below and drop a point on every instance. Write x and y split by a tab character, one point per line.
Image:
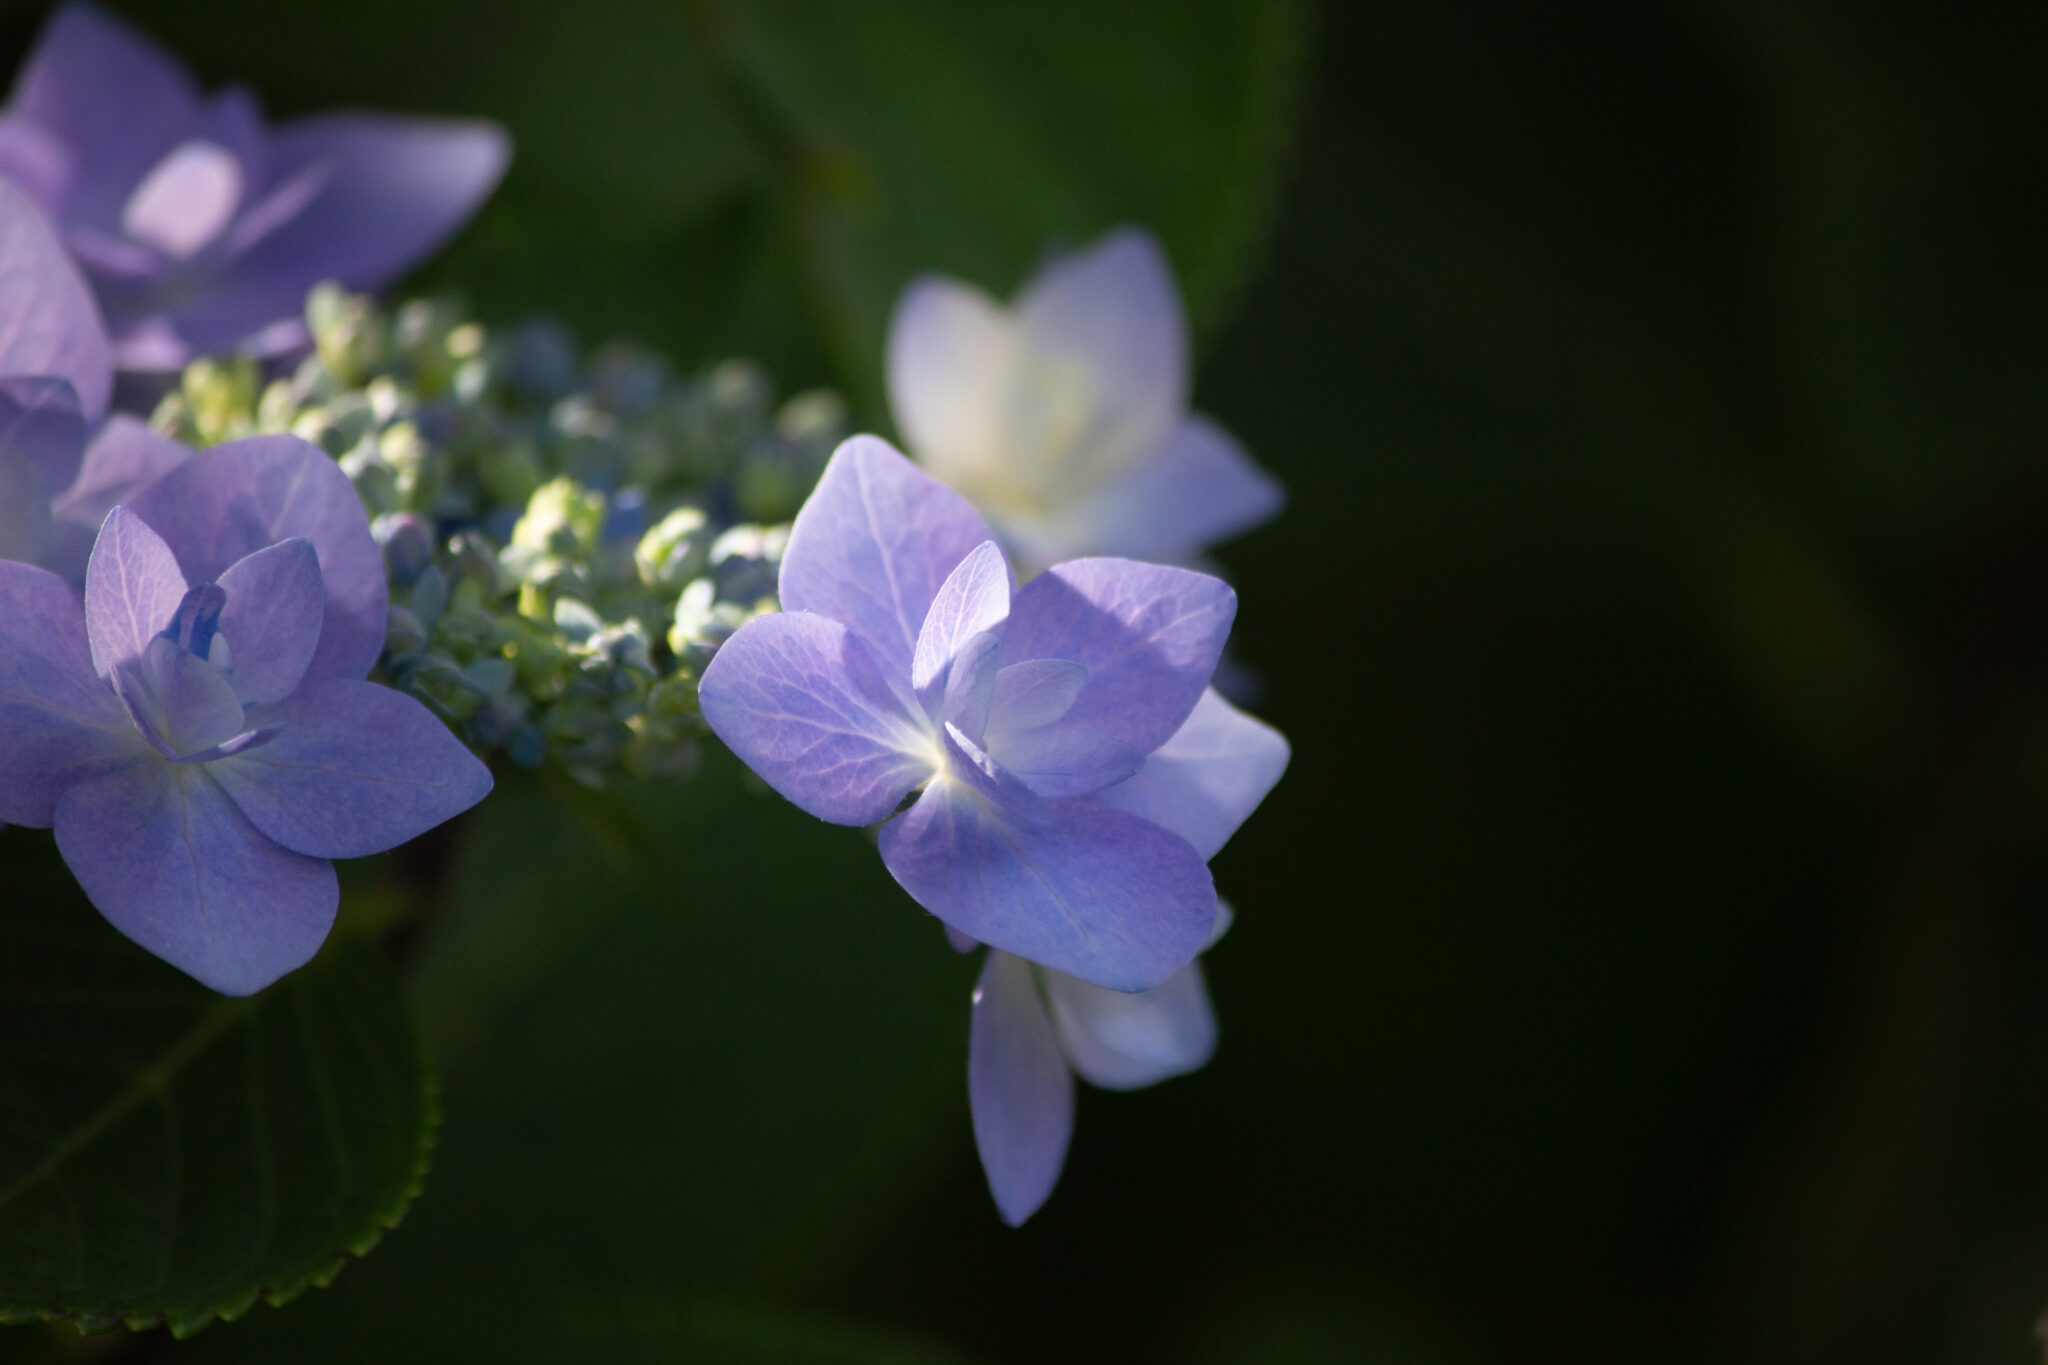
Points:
568	540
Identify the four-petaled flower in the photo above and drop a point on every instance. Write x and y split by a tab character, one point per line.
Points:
201	228
64	462
198	731
1064	417
903	662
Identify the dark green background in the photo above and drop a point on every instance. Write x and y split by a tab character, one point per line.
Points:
1643	958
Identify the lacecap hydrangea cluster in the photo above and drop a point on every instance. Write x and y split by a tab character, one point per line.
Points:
356	554
567	541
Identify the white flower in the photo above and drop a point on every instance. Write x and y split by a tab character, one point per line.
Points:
1064	416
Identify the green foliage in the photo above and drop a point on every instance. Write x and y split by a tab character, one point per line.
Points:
700	1050
169	1155
762	177
697	1049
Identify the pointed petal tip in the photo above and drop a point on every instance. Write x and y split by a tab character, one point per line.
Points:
1020	1093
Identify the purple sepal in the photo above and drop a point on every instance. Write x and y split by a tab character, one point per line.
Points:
873	545
1148	635
40	419
176	866
1018	1088
50	326
59	723
132	590
120	461
799	699
243	496
1203	782
272	619
1086	890
974	600
351	769
357	198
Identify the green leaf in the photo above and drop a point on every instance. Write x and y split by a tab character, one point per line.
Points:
168	1155
923	135
698	1048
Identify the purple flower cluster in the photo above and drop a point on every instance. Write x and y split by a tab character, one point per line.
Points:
197	728
1052	768
201	228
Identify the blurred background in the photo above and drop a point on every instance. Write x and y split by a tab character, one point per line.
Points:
1643	958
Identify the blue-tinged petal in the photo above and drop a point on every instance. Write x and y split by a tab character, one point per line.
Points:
1035	692
1093	892
116	99
970	683
952	354
40	419
34	159
1198	489
50	325
132	590
180	703
974	600
59	723
1114	306
872	546
176	866
27	533
237	498
1203	782
121	460
1069	757
1123	1040
1148	635
801	701
371	195
1018	1088
272	619
351	769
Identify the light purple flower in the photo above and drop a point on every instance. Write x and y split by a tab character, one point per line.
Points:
198	731
903	662
1035	1028
201	228
1064	417
63	462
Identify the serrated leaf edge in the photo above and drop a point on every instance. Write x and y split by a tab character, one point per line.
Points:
277	1295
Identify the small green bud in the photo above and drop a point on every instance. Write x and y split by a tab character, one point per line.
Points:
220	396
675	550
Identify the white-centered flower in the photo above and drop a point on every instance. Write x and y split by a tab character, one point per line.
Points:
1064	416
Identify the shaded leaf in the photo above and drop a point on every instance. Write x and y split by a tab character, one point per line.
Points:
168	1155
698	1048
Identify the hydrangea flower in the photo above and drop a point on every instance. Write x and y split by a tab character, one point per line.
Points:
201	228
198	731
1035	1029
1064	417
63	461
904	662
